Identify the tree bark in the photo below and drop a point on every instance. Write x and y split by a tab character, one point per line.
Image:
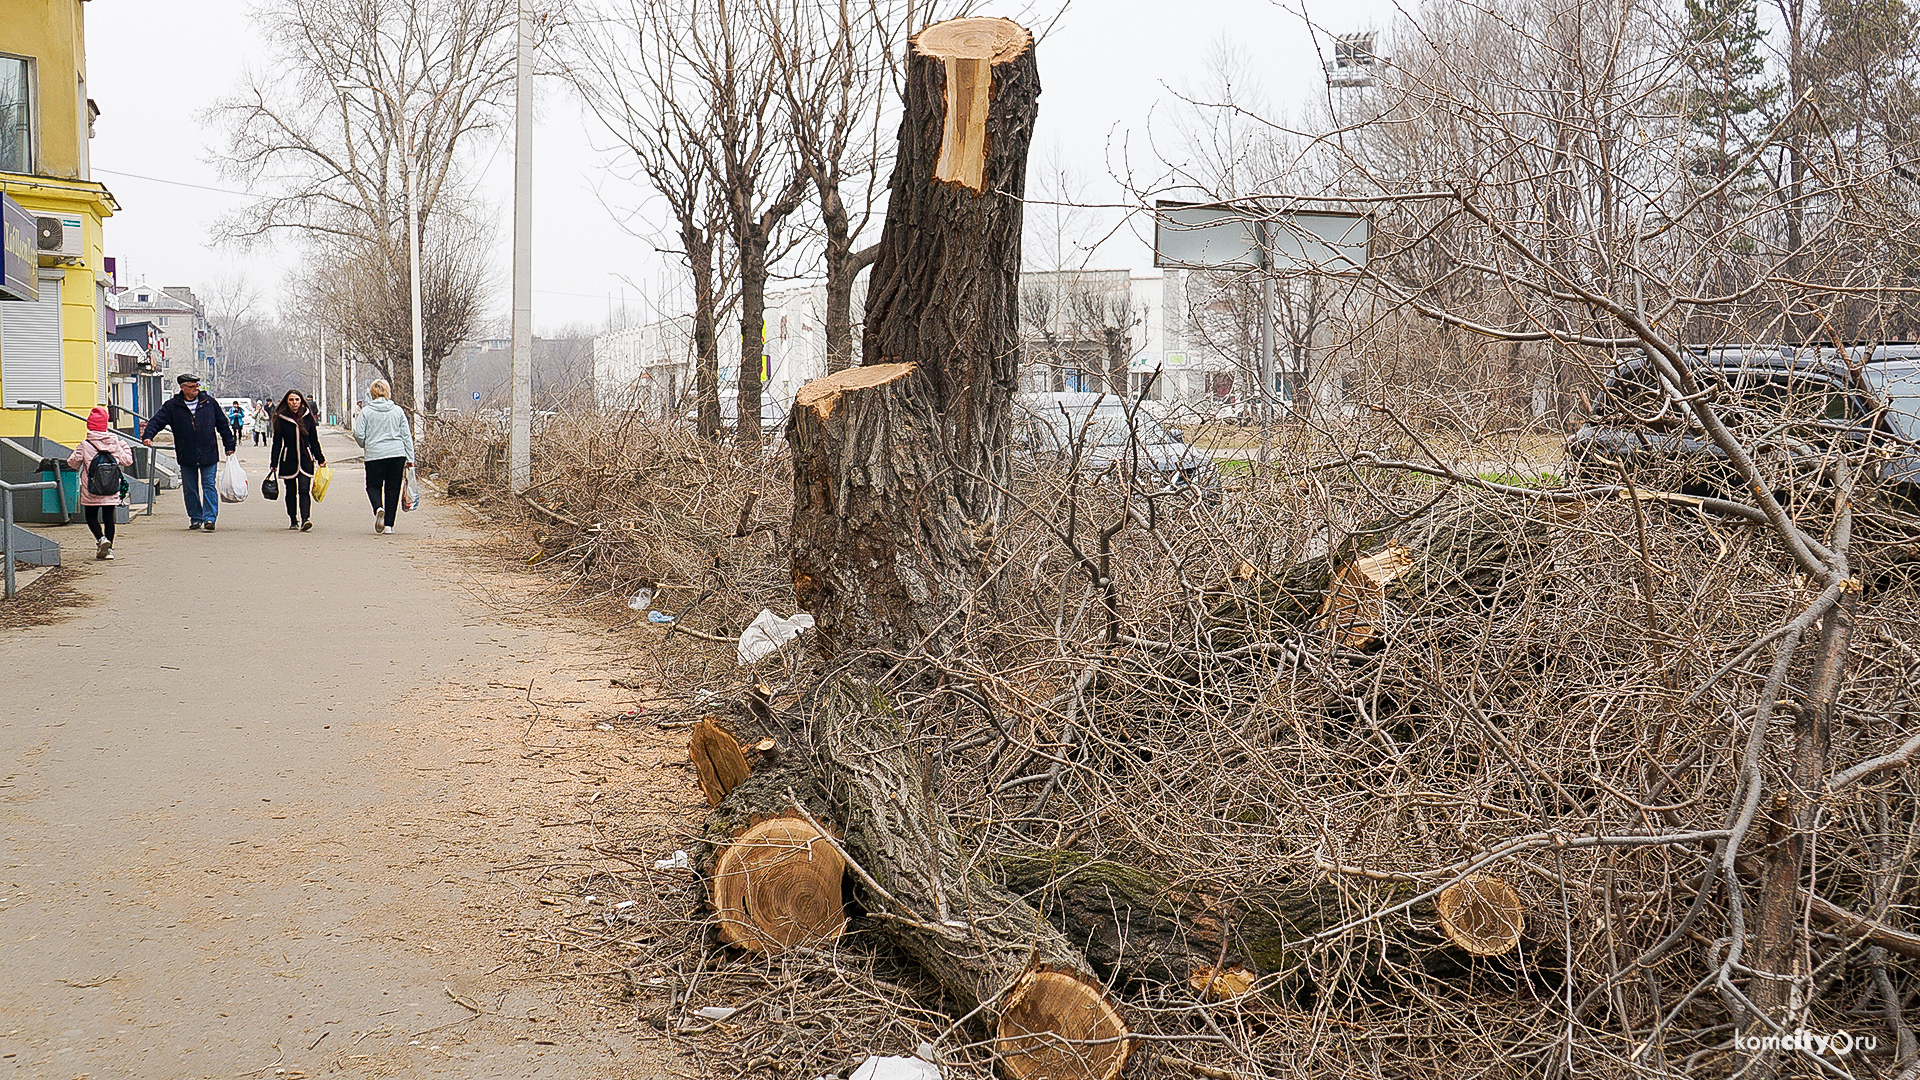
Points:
883	551
751	241
706	336
944	293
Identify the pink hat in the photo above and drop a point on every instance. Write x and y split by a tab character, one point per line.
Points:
97	419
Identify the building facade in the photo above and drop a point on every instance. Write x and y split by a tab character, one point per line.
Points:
54	325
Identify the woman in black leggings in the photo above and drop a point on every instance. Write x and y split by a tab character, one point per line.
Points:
295	454
383	430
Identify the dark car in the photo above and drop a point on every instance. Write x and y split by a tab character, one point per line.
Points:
1794	406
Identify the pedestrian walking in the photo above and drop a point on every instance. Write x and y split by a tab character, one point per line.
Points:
382	429
102	507
199	427
261	422
295	454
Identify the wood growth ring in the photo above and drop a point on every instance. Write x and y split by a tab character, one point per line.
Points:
969	48
1482	915
1059	1026
779	884
718	760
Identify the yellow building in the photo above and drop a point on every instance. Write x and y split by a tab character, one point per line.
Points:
53	317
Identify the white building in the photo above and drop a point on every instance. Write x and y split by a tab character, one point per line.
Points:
1080	329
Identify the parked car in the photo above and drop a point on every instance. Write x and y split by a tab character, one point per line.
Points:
1098	432
1802	402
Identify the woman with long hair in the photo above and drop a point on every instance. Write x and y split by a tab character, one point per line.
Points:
382	428
295	454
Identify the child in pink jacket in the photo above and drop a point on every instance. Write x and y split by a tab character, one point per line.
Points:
101	510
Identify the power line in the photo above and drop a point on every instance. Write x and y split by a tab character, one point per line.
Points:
178	183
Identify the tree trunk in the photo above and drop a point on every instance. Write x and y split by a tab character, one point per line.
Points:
706	346
883	551
752	242
944	293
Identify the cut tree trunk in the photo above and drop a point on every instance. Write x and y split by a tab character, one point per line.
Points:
883	551
944	291
986	947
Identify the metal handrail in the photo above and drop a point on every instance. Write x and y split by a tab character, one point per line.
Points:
6	524
153	488
42	461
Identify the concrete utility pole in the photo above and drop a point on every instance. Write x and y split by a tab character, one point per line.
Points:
323	375
520	434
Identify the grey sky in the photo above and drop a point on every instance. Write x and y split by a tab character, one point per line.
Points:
154	66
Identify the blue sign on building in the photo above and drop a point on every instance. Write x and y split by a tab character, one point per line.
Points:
19	253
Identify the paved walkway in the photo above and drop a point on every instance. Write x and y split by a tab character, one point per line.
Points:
217	858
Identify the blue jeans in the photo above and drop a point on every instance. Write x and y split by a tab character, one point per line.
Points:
203	497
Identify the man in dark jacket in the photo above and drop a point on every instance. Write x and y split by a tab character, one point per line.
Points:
199	427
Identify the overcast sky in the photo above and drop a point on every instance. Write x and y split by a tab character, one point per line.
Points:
154	66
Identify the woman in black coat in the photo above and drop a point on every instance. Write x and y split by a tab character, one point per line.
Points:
295	454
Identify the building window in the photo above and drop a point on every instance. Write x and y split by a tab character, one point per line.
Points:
16	114
163	320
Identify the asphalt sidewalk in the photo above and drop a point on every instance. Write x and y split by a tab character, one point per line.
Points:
199	868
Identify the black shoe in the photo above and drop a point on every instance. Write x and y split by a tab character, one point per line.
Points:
195	527
209	526
306	526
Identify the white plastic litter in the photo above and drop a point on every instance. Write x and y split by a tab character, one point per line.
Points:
715	1012
676	861
896	1068
231	482
642	600
768	632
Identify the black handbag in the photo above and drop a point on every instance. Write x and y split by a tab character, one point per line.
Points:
270	487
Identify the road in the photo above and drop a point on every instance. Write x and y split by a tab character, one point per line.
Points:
254	797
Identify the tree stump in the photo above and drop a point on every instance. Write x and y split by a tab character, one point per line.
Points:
882	546
1058	1026
718	759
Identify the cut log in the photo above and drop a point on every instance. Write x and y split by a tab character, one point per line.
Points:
1356	605
1482	915
944	289
779	884
980	941
717	758
1056	1025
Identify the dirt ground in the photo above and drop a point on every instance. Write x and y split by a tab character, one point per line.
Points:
285	804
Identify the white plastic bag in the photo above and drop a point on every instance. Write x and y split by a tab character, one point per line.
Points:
231	481
766	633
410	492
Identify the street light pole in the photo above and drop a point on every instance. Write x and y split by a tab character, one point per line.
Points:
520	431
413	258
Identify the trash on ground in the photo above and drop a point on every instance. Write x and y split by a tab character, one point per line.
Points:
716	1012
896	1068
642	600
659	617
676	861
768	632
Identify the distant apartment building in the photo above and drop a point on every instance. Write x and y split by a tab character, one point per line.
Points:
53	307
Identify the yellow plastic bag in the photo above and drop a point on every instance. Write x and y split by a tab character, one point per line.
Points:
322	476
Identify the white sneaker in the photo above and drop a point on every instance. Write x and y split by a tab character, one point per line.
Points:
391	529
109	555
103	549
379	526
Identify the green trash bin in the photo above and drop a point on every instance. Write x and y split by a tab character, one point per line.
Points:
69	482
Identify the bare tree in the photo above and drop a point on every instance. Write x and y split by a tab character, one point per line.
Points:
366	110
637	82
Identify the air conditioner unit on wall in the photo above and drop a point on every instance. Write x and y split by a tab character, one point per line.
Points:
64	235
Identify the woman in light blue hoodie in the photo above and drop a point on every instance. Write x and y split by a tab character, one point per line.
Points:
383	430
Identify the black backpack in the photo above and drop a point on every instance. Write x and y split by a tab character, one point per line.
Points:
103	474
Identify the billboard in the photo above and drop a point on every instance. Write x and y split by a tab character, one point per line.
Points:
19	253
1230	236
